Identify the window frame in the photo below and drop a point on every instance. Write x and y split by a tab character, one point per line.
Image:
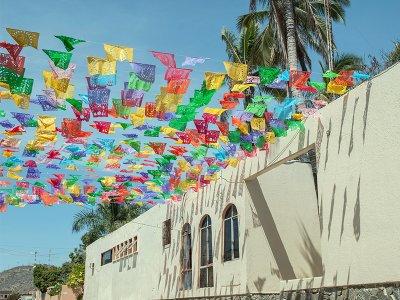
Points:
166	234
186	233
224	218
125	249
102	261
209	265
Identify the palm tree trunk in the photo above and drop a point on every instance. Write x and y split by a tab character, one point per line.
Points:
290	39
329	33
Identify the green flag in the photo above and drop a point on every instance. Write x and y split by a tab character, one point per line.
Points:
69	42
75	103
330	74
318	85
267	75
234	136
60	59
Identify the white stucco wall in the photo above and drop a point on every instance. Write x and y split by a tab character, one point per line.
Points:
350	235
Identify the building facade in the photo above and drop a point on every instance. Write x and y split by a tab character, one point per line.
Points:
316	216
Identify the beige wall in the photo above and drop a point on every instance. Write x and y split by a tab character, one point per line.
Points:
66	294
288	238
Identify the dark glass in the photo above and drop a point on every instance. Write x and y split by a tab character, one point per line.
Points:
203	277
106	257
209	241
235	237
227	240
203	250
210	281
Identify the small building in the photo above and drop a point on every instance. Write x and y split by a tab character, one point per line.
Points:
5	294
315	217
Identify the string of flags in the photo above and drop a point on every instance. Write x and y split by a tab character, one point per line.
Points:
134	150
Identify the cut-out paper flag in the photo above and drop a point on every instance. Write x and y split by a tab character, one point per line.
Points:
69	42
119	53
24	38
167	59
13	49
60	59
192	61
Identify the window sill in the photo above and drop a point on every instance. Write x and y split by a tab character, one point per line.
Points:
232	260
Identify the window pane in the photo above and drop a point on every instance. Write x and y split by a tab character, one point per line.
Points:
235	237
189	280
203	277
189	265
203	250
210	253
228	213
227	240
210	281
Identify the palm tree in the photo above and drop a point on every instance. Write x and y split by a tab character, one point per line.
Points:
105	218
295	25
248	47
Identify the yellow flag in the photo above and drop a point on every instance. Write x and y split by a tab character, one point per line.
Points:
112	161
7	153
233	162
60	85
270	137
102	66
214	111
138	117
135	167
237	72
74	189
21	100
298	117
4	85
167	102
147	151
14	175
119	53
258	124
335	88
108	180
46	124
11	173
224	139
66	198
168	131
214	80
241	87
34	145
184	165
244	128
68	94
24	38
211	177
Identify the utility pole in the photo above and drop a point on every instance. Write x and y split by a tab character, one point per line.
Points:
35	257
49	255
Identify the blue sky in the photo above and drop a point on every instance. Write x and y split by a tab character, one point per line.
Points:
183	27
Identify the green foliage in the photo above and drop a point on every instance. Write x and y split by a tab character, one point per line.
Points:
376	65
105	218
45	277
393	56
55	290
77	277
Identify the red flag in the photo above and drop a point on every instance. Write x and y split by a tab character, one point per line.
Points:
167	59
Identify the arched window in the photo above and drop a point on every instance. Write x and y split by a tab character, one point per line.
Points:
186	255
231	233
206	254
